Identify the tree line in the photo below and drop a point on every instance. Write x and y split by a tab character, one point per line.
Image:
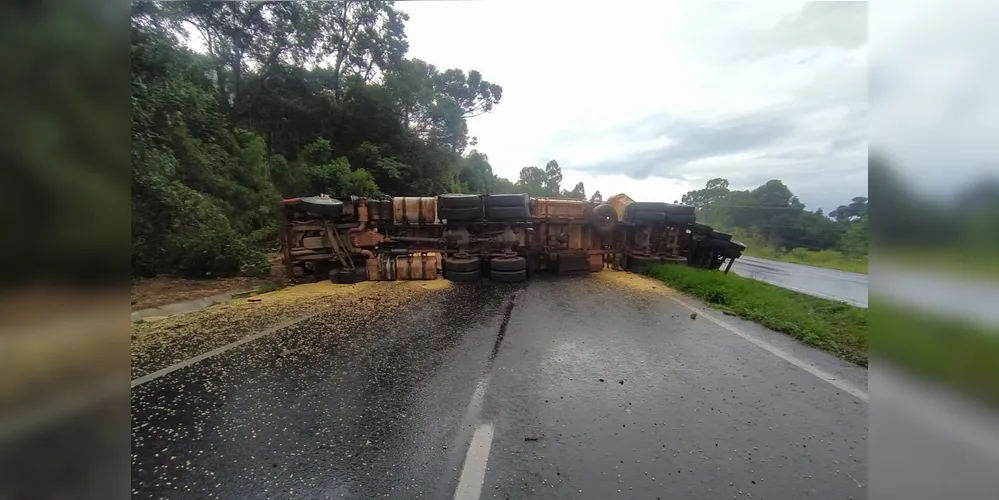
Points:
772	214
289	99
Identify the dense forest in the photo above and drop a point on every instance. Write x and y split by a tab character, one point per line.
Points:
772	215
289	99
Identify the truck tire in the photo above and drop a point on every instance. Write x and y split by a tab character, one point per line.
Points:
508	200
462	276
701	228
680	210
506	213
508	276
462	265
343	276
646	206
648	217
718	235
507	264
638	264
460	214
679	220
458	201
603	218
675	260
323	207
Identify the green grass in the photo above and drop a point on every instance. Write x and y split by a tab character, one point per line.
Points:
832	326
946	350
831	259
271	286
978	266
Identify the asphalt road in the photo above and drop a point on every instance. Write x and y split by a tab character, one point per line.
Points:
558	388
820	282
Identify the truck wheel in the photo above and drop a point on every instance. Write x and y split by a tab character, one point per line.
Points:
465	265
507	264
647	206
638	264
508	200
701	228
675	260
509	276
460	214
681	210
679	220
506	213
462	275
604	218
459	201
342	276
647	217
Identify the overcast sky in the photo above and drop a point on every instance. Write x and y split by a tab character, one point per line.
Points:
654	98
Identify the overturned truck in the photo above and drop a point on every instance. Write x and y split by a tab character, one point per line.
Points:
504	237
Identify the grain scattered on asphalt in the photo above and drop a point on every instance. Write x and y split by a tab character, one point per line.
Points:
635	282
166	341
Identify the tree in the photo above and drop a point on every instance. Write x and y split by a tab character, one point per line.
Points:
597	197
714	190
553	178
578	192
856	209
533	181
290	99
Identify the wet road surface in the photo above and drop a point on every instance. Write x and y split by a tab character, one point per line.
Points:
938	293
826	283
566	387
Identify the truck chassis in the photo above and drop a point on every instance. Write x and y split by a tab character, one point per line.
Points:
505	237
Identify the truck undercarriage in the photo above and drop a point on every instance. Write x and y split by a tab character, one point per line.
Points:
506	237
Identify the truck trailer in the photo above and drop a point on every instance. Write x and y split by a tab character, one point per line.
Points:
503	237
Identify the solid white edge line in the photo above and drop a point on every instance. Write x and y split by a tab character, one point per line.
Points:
215	352
844	386
473	473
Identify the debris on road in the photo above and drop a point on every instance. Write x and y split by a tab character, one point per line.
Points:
693	315
531	437
726	312
177	338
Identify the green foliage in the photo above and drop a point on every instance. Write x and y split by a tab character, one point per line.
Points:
941	349
290	99
774	224
829	325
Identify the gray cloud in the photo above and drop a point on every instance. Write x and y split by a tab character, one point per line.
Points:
691	141
819	24
799	140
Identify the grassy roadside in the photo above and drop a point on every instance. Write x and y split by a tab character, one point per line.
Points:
832	326
955	261
946	350
830	259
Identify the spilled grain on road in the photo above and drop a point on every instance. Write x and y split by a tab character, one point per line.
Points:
166	341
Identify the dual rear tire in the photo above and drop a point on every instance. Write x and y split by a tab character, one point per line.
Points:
501	269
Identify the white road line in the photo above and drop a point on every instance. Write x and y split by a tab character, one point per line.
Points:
842	385
473	473
215	352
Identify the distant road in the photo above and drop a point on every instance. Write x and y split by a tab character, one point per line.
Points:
935	292
826	283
